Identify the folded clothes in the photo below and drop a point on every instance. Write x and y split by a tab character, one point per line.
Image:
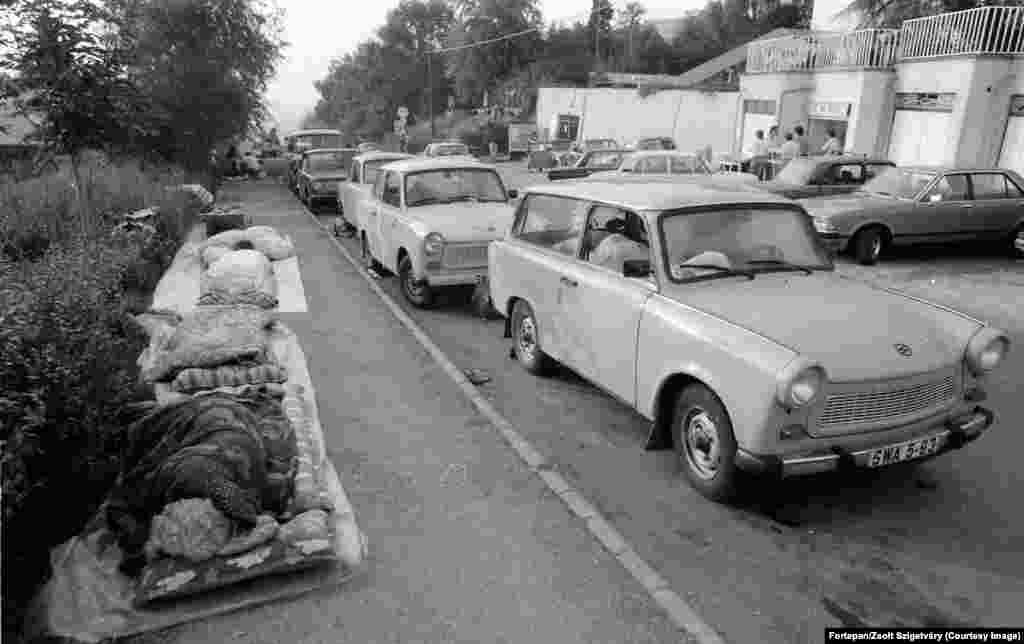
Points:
254	297
195	379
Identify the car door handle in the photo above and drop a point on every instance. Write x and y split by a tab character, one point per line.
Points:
569	282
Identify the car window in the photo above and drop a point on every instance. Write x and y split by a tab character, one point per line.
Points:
552	222
378	186
353	173
952	187
391	189
453	184
871	170
686	165
991	185
845	174
614	235
603	160
653	165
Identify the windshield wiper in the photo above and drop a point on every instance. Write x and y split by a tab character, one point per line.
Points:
781	265
723	272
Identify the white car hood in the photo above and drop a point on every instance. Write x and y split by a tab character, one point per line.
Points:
464	221
849	326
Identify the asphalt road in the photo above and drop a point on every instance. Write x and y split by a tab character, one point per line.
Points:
937	544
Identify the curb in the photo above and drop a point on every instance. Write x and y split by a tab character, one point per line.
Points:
679	611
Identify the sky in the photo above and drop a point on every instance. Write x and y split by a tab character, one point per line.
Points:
320	31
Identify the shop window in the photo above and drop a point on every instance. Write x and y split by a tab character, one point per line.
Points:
990	186
952	187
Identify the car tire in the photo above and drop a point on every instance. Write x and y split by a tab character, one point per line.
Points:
704	442
419	295
526	339
868	245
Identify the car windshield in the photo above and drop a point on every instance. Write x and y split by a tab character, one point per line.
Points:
371	168
740	240
687	165
329	161
899	182
797	171
603	160
453	184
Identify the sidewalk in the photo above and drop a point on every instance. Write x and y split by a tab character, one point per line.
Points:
466	545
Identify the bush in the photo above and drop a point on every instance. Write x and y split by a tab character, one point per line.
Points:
67	357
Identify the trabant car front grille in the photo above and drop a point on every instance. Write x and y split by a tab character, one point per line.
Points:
465	256
849	408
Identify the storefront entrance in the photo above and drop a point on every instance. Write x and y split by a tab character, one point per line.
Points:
921	129
825	116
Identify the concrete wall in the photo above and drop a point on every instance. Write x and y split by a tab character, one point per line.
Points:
694	119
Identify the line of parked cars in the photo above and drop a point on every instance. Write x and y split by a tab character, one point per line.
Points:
710	304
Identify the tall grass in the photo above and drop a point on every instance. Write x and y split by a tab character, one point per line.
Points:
67	349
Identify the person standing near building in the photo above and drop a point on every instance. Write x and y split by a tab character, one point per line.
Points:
790	149
801	140
757	155
832	146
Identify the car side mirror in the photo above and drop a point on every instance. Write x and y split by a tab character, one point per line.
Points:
513	194
636	268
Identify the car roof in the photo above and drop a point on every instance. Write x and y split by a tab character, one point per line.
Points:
373	155
415	164
938	169
610	150
319	150
654	195
639	154
311	132
447	142
843	158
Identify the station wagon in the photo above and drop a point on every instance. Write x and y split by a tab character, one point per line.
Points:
718	316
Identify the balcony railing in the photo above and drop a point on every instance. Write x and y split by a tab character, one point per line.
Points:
981	31
867	48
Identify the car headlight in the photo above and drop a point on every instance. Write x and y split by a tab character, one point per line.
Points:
433	244
823	225
800	383
986	350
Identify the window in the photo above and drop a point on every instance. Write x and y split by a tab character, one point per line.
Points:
378	187
353	174
687	165
991	185
653	165
552	222
952	187
850	173
391	196
453	184
603	160
614	236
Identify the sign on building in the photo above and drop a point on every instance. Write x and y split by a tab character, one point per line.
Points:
830	110
926	102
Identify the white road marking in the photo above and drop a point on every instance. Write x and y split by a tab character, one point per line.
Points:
678	609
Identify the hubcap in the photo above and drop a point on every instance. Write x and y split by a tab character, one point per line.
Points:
414	289
527	339
701	445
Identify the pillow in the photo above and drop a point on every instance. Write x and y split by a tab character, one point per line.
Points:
239	271
311	491
195	379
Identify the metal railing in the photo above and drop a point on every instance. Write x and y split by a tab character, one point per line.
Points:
866	48
981	31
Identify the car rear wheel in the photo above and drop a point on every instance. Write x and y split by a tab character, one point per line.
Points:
867	246
527	340
419	294
705	444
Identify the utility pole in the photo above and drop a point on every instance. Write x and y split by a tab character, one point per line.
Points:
430	96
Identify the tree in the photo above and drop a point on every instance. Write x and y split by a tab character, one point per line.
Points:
475	69
600	24
631	18
892	13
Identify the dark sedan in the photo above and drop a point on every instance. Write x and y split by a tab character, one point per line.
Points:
589	163
319	173
903	206
822	176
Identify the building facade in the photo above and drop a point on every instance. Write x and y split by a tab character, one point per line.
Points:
946	89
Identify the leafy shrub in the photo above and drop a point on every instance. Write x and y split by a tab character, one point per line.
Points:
67	358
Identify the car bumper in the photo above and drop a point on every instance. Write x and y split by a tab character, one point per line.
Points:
954	433
456	277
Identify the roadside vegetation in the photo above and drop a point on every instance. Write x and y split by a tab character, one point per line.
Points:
128	125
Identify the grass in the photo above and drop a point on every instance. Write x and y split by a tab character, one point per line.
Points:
68	279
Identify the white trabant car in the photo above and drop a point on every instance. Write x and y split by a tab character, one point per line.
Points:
673	163
718	315
361	175
430	221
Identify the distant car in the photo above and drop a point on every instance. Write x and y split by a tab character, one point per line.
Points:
922	205
655	143
673	163
365	147
446	149
430	220
297	143
821	176
599	144
353	193
319	173
589	163
719	317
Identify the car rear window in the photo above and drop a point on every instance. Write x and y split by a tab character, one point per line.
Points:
551	222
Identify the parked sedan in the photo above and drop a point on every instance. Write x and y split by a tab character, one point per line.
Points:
718	316
354	192
446	149
903	206
430	220
821	176
589	163
319	173
655	143
674	163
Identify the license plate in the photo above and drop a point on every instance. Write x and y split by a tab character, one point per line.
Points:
905	451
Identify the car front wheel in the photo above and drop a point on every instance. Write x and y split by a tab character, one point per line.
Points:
419	294
867	246
705	444
527	340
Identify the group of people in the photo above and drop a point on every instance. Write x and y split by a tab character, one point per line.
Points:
758	157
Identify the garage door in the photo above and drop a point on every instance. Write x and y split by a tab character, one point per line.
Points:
920	138
1012	155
